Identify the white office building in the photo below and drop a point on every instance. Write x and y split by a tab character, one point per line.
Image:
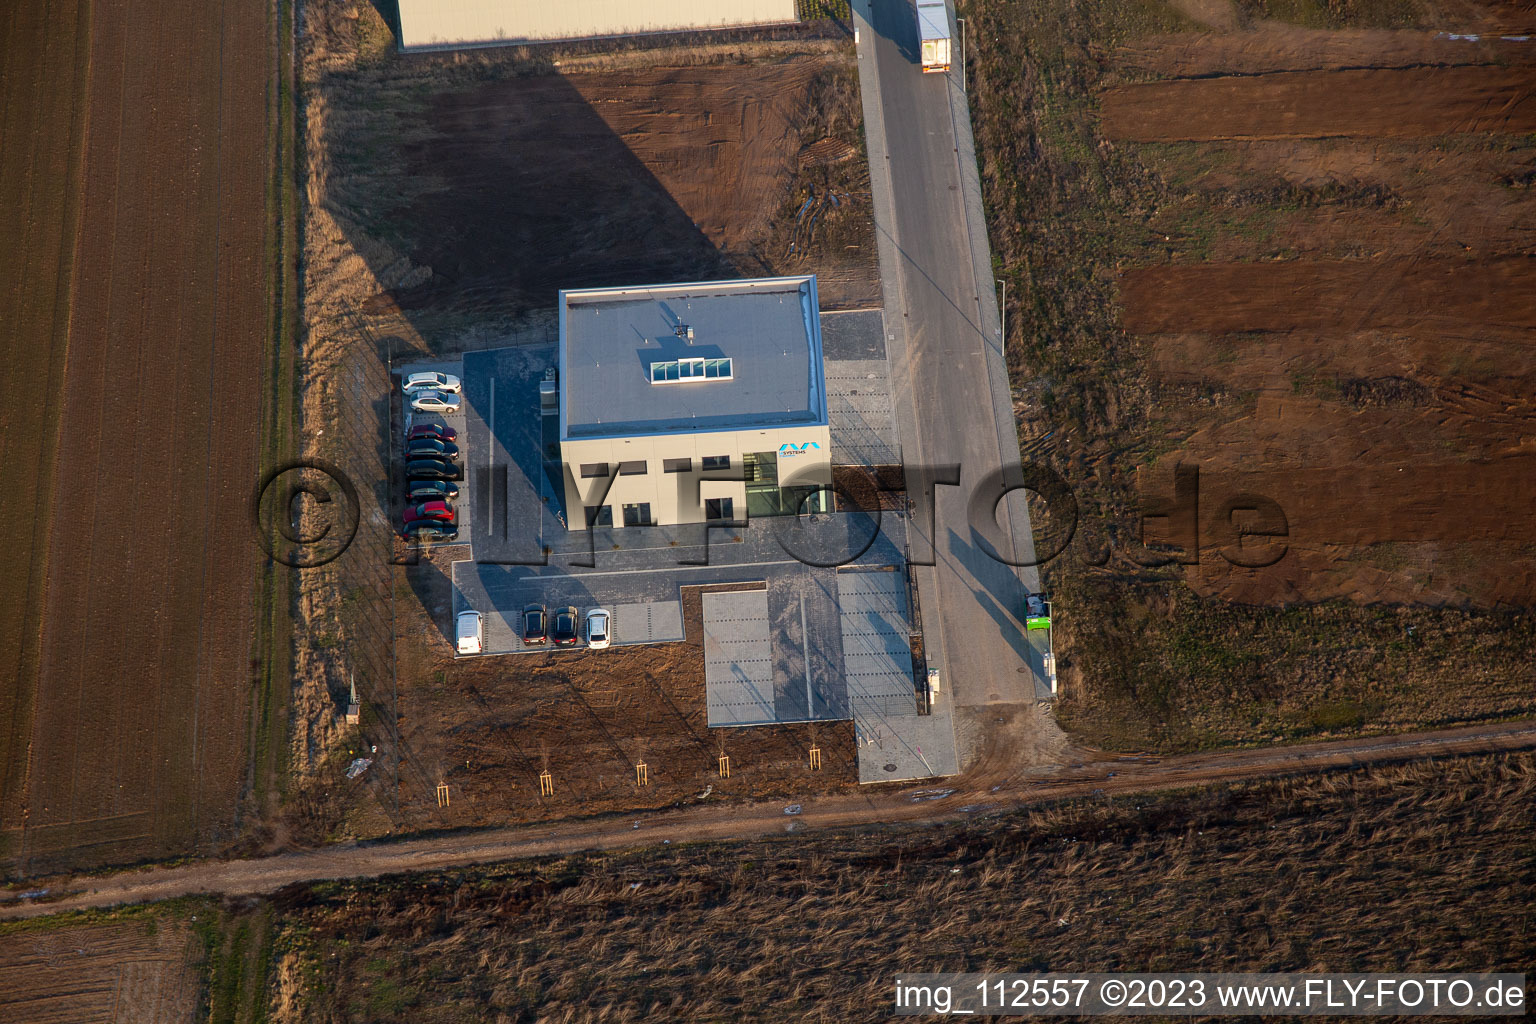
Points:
687	403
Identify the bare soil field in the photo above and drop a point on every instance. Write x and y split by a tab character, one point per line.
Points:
43	84
138	971
484	182
581	180
1287	245
132	732
1282	48
1258	876
1434	298
1375	103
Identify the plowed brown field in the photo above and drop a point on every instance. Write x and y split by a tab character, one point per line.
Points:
1433	296
136	742
42	87
1289	250
1378	103
1374	296
1278	48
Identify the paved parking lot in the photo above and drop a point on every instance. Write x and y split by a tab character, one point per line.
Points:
738	658
638	574
859	389
506	490
877	646
456	420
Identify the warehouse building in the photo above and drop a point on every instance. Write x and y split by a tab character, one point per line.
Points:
687	403
448	24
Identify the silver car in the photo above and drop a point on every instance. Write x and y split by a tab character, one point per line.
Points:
433	401
430	381
599	626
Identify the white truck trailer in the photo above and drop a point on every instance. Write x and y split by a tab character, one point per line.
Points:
933	32
1037	624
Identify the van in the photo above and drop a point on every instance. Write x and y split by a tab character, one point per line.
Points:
469	632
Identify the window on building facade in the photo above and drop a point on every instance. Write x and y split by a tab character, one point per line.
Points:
719	508
716	462
591	469
677	465
635	468
599	515
638	514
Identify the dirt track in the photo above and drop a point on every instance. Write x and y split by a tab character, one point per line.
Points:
993	787
137	745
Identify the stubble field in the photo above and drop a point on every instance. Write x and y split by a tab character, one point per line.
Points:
143	971
1303	873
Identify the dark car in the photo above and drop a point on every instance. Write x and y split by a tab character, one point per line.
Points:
566	627
535	625
431	432
431	529
431	449
432	469
439	510
430	490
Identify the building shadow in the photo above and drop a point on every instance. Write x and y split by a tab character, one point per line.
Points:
1000	592
896	20
535	192
389	10
434	590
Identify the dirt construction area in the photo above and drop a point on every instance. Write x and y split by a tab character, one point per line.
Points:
126	712
482	183
1285	246
488	727
451	197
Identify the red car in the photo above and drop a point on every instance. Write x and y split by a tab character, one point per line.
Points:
430	432
439	511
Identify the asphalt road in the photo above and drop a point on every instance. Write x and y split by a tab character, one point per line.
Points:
995	787
948	376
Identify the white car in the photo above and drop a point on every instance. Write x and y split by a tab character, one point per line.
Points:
433	401
599	629
431	381
469	632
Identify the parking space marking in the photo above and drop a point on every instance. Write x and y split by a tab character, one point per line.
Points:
567	577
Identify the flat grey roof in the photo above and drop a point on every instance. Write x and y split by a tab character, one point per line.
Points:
768	328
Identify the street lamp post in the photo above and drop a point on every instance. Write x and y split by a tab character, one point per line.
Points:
961	22
1002	308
